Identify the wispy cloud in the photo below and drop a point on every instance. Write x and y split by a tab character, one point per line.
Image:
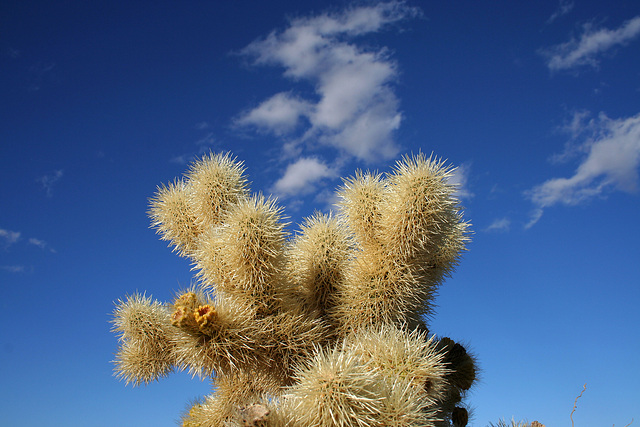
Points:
8	237
203	145
37	242
534	217
610	162
48	181
41	244
301	176
460	179
499	225
564	7
584	50
40	74
354	108
11	52
13	268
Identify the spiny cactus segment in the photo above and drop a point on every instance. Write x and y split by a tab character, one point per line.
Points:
322	328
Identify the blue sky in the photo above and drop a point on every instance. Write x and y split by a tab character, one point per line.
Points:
538	103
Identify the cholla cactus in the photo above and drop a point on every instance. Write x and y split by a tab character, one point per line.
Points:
323	328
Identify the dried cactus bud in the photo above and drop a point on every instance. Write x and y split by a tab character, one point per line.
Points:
445	343
178	317
184	319
254	415
465	374
463	370
456	354
460	417
188	300
183	308
205	316
461	365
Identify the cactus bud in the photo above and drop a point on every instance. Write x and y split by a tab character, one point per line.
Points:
460	417
461	364
254	415
188	300
205	316
183	314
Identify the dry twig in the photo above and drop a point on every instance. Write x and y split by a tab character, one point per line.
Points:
575	403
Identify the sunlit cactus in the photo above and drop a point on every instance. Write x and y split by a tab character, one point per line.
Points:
324	327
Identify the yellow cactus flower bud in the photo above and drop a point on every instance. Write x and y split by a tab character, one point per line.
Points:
205	317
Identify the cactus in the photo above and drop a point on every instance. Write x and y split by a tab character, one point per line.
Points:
326	327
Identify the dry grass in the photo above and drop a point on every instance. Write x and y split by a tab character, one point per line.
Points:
514	423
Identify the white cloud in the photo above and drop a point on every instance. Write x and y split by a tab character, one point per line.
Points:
367	136
355	82
580	123
564	7
37	242
502	224
41	244
611	161
536	214
592	42
279	114
13	268
9	237
300	177
355	108
460	178
48	181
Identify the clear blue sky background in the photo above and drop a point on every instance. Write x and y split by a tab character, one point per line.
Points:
538	102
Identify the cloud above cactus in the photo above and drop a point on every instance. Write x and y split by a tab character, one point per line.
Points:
584	50
279	114
610	159
301	176
353	108
499	225
460	179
